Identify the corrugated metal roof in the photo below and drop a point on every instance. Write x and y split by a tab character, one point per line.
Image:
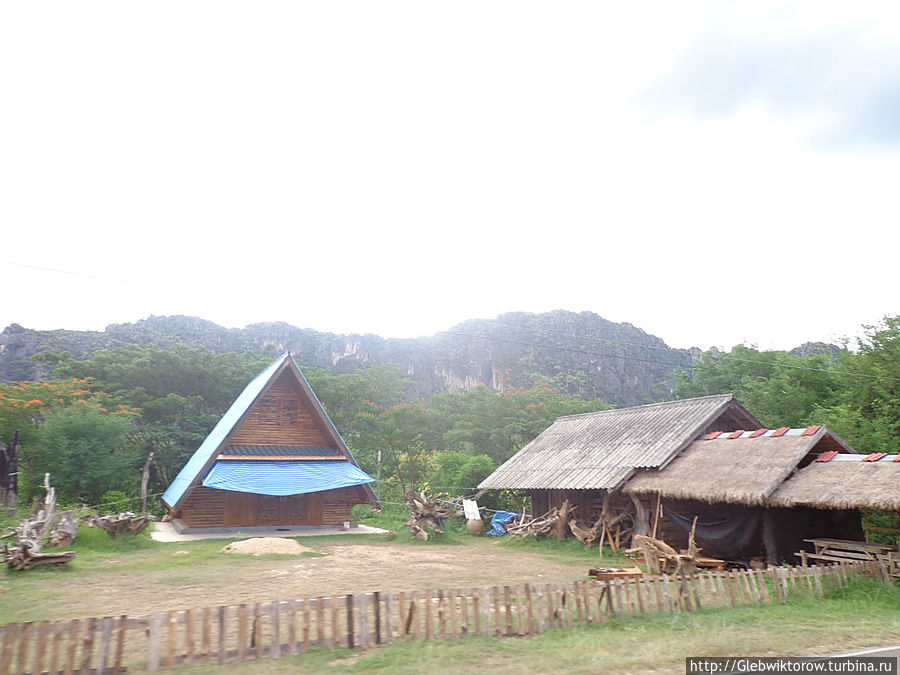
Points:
601	450
204	453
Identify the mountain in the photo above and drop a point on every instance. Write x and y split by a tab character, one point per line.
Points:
579	353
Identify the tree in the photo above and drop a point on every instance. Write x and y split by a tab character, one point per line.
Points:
781	389
83	447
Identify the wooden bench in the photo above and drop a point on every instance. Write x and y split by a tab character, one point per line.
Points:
843	550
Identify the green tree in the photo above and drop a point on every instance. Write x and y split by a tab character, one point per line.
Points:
781	389
84	449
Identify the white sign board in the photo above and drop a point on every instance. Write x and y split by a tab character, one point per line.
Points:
470	508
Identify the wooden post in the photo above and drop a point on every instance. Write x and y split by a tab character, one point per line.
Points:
428	617
207	635
667	591
306	634
43	630
529	630
257	630
275	623
350	641
608	592
508	610
223	653
388	618
476	610
242	632
363	611
463	612
102	651
763	587
22	656
376	604
291	608
335	621
550	609
498	623
54	649
87	646
188	636
441	614
320	621
454	620
153	644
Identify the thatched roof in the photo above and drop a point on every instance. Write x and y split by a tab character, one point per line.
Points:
843	484
743	470
602	450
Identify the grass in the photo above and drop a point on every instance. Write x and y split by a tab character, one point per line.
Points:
860	614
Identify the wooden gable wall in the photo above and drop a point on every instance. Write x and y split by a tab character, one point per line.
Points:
283	416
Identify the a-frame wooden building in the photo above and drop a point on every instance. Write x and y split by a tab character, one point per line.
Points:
274	459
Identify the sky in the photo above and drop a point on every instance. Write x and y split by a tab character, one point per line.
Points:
713	173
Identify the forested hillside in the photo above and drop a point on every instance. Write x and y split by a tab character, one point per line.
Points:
576	353
100	413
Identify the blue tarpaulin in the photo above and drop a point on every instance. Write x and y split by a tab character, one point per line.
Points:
282	478
500	519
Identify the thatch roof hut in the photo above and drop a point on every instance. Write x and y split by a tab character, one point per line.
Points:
738	468
601	450
843	483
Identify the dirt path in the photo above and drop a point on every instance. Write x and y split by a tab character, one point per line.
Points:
203	577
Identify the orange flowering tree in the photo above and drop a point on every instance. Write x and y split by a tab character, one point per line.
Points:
30	410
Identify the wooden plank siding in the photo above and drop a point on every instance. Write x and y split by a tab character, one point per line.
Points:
281	417
206	507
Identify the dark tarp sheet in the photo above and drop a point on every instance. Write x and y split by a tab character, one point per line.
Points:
734	532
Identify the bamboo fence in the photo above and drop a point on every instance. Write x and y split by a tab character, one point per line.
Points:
242	632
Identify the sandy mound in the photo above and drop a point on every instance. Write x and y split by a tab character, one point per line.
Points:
263	545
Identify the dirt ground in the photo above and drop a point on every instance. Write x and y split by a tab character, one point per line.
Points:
195	575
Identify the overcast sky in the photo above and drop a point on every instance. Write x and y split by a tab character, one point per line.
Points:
714	173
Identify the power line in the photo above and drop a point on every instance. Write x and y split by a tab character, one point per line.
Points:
69	272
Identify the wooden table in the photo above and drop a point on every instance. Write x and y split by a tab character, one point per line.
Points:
844	550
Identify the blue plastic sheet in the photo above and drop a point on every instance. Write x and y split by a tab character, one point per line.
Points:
500	519
284	477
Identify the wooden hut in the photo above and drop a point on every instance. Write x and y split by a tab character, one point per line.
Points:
274	459
586	459
841	483
727	480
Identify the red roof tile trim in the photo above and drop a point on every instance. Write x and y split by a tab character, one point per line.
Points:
713	435
897	458
811	431
827	456
874	457
736	434
780	432
758	433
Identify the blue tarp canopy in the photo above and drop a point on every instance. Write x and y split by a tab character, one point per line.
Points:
282	478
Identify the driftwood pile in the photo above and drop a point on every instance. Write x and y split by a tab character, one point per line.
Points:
126	522
554	522
428	513
661	558
43	525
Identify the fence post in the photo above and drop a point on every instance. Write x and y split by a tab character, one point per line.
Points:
220	616
350	641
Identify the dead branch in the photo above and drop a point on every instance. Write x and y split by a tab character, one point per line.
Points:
126	522
427	514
